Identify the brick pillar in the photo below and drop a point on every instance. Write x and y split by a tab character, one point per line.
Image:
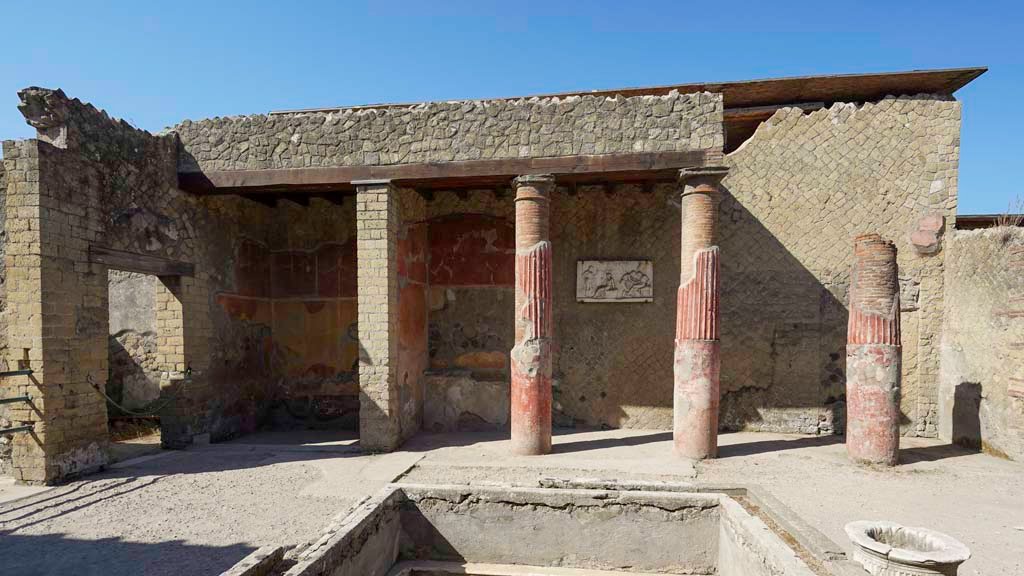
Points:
531	355
696	369
184	330
377	223
873	354
57	319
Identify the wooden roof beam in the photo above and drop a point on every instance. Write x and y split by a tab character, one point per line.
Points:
480	173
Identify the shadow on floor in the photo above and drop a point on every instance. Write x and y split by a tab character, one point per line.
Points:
427	441
933	453
55	554
599	443
764	446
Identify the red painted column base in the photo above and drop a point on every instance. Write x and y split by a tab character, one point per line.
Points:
695	398
531	398
873	403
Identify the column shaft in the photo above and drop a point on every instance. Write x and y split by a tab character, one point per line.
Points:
873	354
697	347
531	354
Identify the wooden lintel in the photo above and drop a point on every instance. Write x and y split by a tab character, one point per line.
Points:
479	173
142	263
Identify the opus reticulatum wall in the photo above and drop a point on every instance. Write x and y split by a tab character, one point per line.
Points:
797	194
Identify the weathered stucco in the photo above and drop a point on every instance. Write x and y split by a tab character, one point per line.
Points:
981	398
454	131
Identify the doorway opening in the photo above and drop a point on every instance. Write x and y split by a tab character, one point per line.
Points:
134	371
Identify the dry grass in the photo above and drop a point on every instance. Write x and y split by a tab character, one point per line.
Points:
127	429
1014	215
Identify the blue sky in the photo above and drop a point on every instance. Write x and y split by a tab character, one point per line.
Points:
155	64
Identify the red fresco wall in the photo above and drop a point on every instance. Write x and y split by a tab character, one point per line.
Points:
472	250
307	298
412	322
472	270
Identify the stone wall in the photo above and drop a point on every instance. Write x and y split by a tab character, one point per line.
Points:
797	193
613	361
468	288
91	180
133	368
981	397
5	441
454	131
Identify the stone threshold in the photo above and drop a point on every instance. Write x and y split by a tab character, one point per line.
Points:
436	568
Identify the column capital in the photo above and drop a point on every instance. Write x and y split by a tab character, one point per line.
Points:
542	183
702	176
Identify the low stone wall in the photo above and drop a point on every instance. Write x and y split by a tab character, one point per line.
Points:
455	401
981	398
543	527
364	542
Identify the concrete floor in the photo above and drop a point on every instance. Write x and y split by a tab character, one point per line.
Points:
199	511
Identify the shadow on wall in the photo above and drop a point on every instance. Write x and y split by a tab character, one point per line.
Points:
783	333
967	415
129	382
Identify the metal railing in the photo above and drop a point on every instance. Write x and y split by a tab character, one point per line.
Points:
15	399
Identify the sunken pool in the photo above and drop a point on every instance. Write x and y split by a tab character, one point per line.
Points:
428	530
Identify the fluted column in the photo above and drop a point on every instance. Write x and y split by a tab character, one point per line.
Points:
531	355
873	354
696	368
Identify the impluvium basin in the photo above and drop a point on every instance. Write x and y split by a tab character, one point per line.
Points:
430	530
